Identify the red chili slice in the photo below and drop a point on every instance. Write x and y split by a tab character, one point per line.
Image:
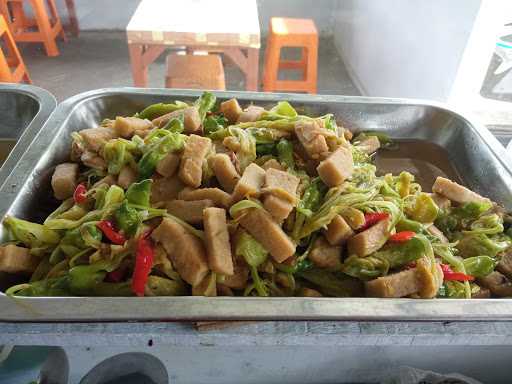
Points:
80	194
450	275
402	237
108	230
370	219
143	263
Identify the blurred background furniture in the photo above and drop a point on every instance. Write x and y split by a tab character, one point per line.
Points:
286	32
227	26
195	72
72	25
12	67
44	28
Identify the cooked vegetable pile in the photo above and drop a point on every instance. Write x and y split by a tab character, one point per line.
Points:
209	199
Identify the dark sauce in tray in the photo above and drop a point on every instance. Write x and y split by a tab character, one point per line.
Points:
424	159
6	145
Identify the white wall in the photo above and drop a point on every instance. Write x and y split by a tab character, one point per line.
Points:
115	14
404	48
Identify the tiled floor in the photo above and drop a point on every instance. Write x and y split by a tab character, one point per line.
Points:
100	59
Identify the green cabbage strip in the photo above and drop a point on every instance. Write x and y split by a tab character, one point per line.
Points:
445	253
243	205
31	234
255	255
331	207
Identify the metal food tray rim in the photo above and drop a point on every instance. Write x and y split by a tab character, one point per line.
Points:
191	308
47	104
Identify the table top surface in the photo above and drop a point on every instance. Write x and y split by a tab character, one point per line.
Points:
195	22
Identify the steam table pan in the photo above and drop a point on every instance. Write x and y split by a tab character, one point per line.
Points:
432	139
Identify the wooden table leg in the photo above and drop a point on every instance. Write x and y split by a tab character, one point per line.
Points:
252	66
139	70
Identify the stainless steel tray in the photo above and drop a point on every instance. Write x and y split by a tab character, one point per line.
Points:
460	147
23	111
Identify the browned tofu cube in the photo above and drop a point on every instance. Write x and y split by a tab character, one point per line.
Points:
251	113
14	259
64	180
93	160
239	278
168	166
207	287
95	138
282	184
250	184
126	126
272	163
127	176
337	168
165	188
231	110
312	137
369	145
370	240
324	255
338	231
278	207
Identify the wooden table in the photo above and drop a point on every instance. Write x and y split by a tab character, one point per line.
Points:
227	26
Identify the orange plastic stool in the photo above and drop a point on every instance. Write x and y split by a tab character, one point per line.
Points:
12	67
299	33
195	72
44	28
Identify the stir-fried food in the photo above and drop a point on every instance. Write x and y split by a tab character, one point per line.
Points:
209	198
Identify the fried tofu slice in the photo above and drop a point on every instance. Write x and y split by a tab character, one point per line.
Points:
191	119
456	192
224	171
263	228
185	250
191	166
218	245
218	196
424	280
189	211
